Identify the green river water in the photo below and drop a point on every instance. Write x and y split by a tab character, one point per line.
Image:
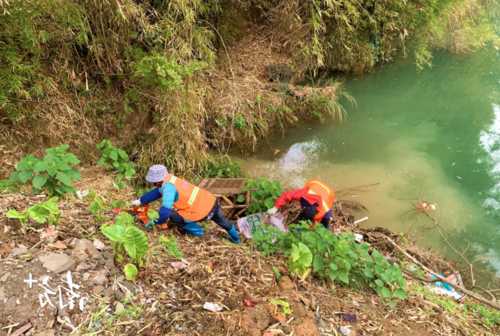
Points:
432	135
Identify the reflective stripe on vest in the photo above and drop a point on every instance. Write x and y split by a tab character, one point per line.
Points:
325	205
194	203
192	198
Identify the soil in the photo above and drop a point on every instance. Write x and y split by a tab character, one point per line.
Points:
168	300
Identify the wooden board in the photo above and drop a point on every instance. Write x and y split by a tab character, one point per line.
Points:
227	190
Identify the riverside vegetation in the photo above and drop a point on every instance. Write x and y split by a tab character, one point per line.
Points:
173	79
313	257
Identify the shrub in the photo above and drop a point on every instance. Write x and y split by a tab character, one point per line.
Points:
126	237
41	213
116	159
55	172
159	71
263	193
222	166
338	258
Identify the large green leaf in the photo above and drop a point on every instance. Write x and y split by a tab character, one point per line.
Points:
39	181
135	243
115	232
14	214
65	179
130	271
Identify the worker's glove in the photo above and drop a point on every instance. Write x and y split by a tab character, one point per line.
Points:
150	225
272	211
136	203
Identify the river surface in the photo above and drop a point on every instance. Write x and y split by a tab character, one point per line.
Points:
432	135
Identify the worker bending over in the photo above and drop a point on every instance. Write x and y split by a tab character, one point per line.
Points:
183	203
316	201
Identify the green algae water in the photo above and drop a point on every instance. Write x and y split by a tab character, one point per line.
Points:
413	136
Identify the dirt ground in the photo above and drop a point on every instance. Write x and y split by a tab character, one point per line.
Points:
255	293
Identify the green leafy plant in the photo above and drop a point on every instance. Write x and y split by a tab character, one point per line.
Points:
116	159
163	72
263	194
283	305
126	237
337	258
55	172
300	260
171	247
97	208
267	239
222	166
130	271
41	213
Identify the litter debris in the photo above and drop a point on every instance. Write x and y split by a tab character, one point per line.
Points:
59	245
345	330
358	237
213	307
443	288
179	265
361	220
81	194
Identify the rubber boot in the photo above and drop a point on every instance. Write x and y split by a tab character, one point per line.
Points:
193	229
234	236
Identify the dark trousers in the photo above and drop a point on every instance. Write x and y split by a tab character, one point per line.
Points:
216	215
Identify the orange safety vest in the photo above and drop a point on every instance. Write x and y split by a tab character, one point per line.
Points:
326	194
194	203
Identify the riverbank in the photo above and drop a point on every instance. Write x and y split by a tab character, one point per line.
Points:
171	82
258	295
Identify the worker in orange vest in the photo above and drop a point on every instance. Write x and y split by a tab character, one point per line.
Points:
183	203
316	200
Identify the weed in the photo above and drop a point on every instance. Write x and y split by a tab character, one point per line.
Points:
221	166
97	208
263	194
130	271
116	159
283	305
125	236
41	213
338	258
55	172
171	247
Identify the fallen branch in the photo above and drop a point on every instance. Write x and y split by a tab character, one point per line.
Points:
472	294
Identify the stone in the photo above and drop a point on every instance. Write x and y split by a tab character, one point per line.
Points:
21	249
56	262
84	249
119	308
99	245
100	277
83	266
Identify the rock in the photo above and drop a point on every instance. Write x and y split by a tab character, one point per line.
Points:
56	262
99	245
119	308
83	249
21	249
100	277
84	266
